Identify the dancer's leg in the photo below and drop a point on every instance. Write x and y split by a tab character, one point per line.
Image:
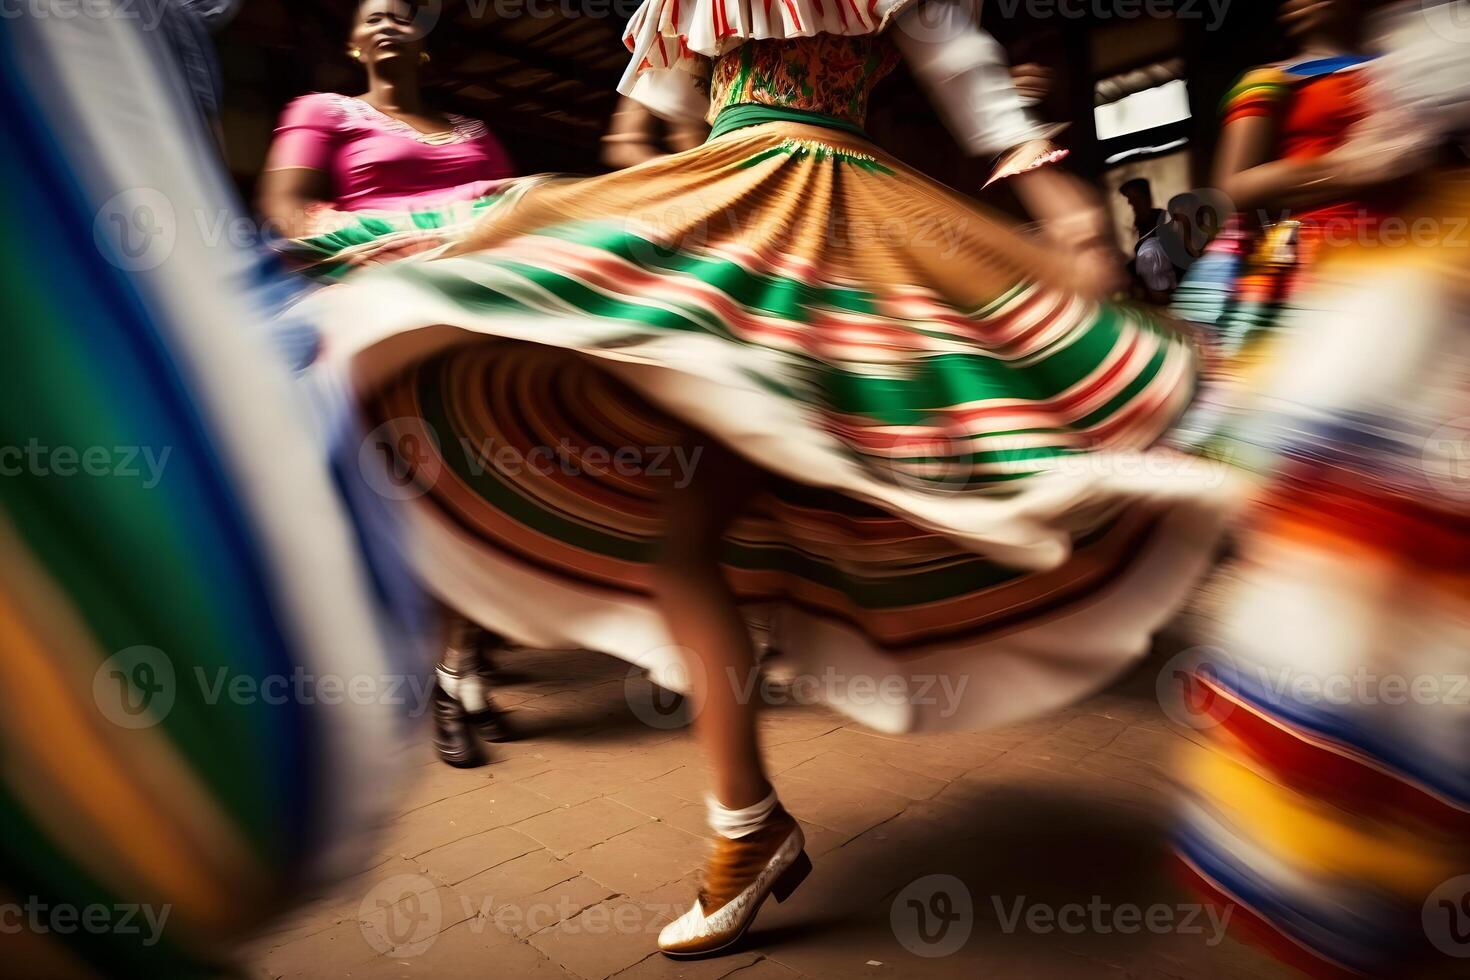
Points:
704	621
464	711
758	847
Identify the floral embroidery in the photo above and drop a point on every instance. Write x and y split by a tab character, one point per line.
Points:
827	73
462	129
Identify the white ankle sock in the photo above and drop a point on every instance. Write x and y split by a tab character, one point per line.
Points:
465	688
735	824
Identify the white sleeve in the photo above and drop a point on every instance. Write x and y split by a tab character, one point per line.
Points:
967	76
672	94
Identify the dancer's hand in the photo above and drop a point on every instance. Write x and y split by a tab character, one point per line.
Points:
1380	149
1074	224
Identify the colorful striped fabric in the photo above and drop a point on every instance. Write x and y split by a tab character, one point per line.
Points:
361	238
1257	93
1329	797
177	568
958	444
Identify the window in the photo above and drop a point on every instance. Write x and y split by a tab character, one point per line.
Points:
1150	108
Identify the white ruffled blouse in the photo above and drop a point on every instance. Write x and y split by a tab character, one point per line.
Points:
961	66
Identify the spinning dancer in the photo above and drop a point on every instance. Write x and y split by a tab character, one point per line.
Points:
784	369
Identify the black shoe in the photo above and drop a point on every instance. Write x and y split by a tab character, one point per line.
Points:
454	739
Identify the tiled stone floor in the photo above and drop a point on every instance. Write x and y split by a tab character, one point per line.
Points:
564	857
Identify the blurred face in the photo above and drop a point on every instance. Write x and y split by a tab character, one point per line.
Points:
385	31
1304	17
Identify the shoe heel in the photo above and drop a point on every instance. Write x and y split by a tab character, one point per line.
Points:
792	877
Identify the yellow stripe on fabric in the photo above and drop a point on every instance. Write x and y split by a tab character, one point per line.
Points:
80	777
1319	839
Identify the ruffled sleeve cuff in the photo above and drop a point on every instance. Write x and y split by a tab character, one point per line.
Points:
1028	156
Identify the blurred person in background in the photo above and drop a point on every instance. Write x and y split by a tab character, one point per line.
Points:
1139	193
1278	166
357	180
1281	124
345	164
1327	787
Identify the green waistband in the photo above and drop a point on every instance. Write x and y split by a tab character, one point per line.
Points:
753	114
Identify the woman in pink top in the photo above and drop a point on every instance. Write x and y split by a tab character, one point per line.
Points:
384	150
355	180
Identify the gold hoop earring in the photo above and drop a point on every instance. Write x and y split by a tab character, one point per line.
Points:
355	54
425	57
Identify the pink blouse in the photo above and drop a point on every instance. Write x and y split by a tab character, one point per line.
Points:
377	162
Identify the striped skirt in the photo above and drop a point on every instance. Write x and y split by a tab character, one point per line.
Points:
963	489
1328	795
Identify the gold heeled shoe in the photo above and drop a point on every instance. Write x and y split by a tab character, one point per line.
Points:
737	879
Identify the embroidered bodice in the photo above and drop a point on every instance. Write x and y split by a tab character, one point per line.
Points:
828	73
691	58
